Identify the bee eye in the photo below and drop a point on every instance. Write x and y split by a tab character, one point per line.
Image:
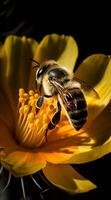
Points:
41	72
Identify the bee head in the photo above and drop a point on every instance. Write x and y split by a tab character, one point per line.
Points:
43	68
42	73
48	71
58	74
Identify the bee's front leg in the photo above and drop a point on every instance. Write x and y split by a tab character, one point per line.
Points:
55	120
39	103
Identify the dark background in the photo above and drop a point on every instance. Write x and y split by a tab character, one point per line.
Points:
89	24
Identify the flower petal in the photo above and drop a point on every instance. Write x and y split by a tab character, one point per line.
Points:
21	162
100	132
16	64
64	142
5	109
61	145
96	70
6	139
91	155
60	48
67	178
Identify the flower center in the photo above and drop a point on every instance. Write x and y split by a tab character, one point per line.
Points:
31	122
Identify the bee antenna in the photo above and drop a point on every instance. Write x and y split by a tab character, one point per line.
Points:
37	63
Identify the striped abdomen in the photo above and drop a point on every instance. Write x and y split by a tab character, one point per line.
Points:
76	107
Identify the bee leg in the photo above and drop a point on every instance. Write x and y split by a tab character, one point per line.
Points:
55	120
39	103
36	84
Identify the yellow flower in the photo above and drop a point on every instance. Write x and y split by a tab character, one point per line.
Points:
23	148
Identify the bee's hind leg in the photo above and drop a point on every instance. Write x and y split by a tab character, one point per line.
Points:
55	120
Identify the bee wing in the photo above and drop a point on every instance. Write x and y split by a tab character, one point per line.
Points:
66	99
65	106
88	89
62	96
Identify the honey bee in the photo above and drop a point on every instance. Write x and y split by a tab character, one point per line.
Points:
51	80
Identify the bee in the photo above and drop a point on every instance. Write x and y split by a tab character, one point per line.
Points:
51	80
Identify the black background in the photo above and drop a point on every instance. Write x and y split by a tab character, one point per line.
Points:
89	24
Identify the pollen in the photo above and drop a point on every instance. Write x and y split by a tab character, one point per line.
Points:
30	117
31	92
31	122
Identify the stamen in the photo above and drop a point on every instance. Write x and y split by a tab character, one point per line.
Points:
23	188
31	92
30	117
21	92
8	182
32	123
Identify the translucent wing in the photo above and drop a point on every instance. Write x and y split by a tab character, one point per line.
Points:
73	102
63	93
88	89
65	97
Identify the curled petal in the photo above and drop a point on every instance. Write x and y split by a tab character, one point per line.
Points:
67	178
95	70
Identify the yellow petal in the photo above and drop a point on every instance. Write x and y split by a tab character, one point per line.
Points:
96	70
60	48
6	139
65	145
91	155
16	64
21	162
100	132
61	144
5	109
67	178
